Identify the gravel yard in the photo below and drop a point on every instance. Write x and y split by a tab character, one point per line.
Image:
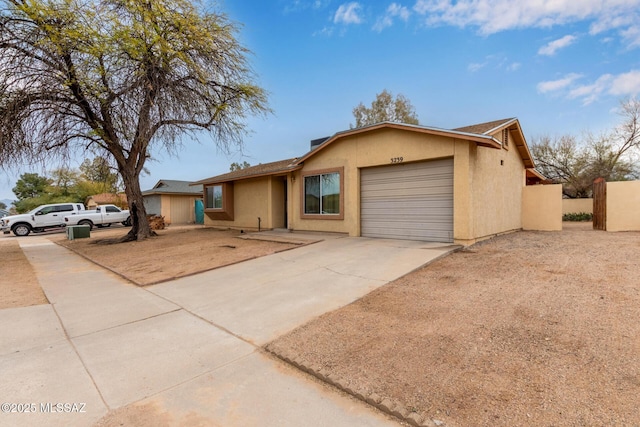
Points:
530	328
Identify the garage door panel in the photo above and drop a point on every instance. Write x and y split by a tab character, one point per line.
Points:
428	235
413	187
408	201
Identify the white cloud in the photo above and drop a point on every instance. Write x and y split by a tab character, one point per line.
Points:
626	84
401	12
555	85
476	66
326	32
514	66
631	36
552	47
348	13
382	23
393	11
300	5
590	93
493	16
495	62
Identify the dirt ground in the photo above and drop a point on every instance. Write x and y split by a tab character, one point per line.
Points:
530	328
20	286
175	252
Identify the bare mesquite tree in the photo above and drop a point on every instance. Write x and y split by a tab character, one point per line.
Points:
611	155
385	108
117	78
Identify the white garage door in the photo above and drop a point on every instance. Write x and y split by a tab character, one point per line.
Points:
412	201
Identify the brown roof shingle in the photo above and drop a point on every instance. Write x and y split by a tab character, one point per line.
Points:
483	128
253	171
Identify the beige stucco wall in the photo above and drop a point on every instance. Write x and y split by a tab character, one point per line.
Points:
360	151
253	198
487	194
577	206
623	206
542	207
497	181
165	208
182	209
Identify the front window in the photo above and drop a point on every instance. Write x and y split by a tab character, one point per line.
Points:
322	194
218	201
214	197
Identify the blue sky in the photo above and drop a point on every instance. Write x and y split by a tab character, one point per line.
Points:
560	66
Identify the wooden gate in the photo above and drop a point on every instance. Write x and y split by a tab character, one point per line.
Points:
599	204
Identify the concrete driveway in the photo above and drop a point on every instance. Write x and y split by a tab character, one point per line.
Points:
187	352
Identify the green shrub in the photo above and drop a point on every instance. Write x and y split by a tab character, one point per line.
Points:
582	216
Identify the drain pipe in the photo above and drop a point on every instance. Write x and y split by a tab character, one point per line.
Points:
259	221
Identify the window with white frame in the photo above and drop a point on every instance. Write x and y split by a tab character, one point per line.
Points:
322	194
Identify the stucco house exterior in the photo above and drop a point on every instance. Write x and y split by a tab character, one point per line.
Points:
174	200
119	199
387	180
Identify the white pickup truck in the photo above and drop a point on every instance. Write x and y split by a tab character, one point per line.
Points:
42	218
103	216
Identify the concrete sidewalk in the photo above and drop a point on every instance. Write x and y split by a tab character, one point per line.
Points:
186	352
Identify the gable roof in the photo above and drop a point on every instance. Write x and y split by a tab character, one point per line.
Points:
485	128
273	168
172	186
480	139
513	125
481	134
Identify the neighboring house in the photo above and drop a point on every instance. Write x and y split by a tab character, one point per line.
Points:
386	180
174	200
4	212
119	199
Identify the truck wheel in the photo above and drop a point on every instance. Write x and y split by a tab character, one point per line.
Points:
21	230
86	222
127	222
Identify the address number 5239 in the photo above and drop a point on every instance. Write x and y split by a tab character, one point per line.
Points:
397	159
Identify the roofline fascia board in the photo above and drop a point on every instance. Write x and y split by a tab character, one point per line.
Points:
241	178
536	173
503	125
526	147
172	193
481	139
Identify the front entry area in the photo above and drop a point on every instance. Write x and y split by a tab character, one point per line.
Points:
409	201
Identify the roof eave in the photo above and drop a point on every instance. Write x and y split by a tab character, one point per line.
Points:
536	174
502	125
169	193
523	148
483	140
211	181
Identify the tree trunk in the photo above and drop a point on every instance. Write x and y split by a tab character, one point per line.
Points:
140	228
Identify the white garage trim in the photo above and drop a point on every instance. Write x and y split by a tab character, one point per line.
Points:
411	201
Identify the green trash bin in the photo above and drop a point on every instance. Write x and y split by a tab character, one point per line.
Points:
78	232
